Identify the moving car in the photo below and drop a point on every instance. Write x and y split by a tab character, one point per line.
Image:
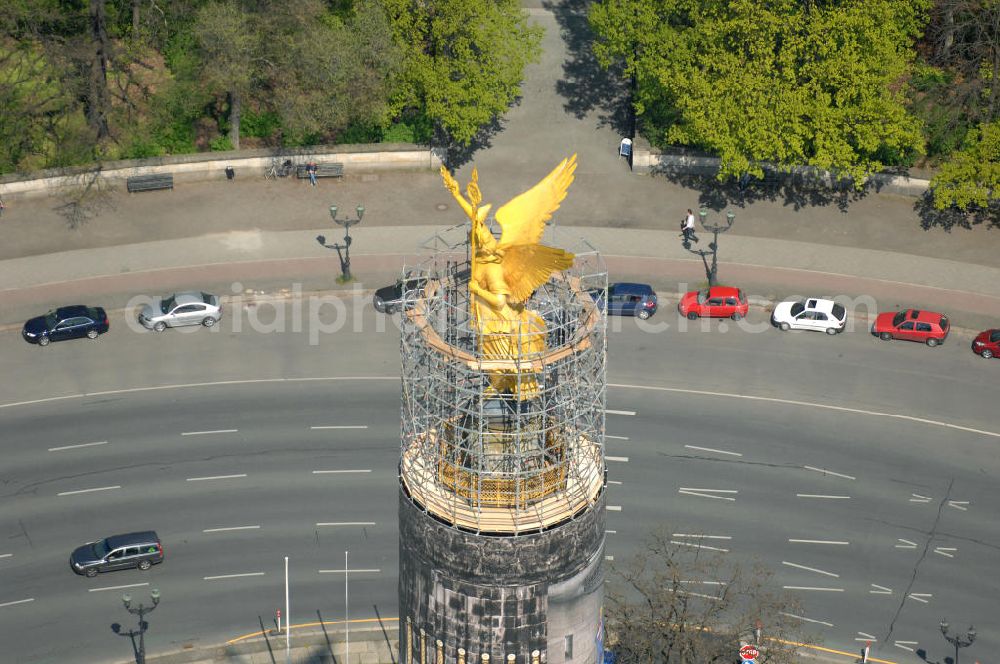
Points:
811	314
912	325
630	299
714	302
389	299
192	308
141	550
987	344
70	322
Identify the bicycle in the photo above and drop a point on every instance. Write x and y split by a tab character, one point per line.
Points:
276	171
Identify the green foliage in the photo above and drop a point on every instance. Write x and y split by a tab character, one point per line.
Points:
221	143
970	179
263	124
785	82
464	60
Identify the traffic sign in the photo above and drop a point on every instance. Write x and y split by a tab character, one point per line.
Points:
748	652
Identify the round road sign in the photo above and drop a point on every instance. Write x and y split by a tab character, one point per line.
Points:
748	652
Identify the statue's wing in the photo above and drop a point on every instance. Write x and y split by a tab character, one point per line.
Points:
523	217
528	266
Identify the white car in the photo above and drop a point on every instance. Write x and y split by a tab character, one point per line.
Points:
812	314
179	309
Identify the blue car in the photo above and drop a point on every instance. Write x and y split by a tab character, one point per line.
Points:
66	323
628	299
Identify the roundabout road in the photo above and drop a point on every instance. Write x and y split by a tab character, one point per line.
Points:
783	447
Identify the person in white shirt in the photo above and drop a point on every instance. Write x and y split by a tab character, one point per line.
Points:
689	227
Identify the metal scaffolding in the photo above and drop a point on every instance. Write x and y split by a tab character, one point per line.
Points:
502	446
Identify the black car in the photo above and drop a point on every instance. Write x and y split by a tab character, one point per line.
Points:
389	299
141	550
66	323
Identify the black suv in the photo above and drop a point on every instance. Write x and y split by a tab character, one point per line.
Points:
142	550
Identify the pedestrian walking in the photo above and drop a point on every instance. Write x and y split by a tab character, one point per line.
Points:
687	227
311	170
2	207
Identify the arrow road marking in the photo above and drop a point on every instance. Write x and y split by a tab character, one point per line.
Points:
944	551
905	645
958	504
865	637
880	590
906	544
917	498
920	596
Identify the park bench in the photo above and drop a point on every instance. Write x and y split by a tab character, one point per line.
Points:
322	171
150	182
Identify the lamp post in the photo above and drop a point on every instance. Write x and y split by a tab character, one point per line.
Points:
958	640
141	611
345	255
712	272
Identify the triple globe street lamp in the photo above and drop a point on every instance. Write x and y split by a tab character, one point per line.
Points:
711	271
958	640
344	250
142	610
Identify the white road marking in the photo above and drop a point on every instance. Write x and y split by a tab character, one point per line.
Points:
806	404
698	492
905	645
73	447
206	433
341	426
352	571
610	532
694	594
699	546
865	637
100	488
20	601
817	588
223	530
829	472
610	558
945	551
215	477
820	495
958	504
810	569
880	590
818	622
707	583
232	576
709	449
722	537
920	597
608	435
615	482
131	585
906	544
6	555
811	541
608	411
917	498
614	508
345	523
338	472
616	458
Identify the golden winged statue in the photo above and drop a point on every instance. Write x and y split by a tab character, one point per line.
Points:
506	273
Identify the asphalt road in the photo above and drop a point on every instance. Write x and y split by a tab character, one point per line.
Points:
754	436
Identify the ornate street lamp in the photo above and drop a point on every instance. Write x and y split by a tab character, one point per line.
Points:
711	271
345	255
141	611
958	640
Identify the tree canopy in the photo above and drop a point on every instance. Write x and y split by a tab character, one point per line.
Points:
786	82
970	180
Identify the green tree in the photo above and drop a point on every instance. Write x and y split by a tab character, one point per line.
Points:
787	82
970	179
463	60
678	604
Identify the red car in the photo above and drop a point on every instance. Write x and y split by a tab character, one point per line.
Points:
987	344
912	325
714	302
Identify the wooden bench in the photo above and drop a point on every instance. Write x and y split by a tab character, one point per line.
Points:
322	171
150	182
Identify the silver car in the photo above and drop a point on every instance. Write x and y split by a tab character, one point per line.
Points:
181	309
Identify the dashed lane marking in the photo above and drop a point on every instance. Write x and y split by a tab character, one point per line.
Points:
810	569
809	620
208	433
610	558
630	413
714	451
340	426
224	530
920	597
232	576
610	532
721	537
699	546
707	493
335	524
351	571
620	459
615	482
215	477
74	447
100	488
6	555
813	541
339	472
905	645
19	601
614	508
864	636
130	585
830	472
610	437
822	496
815	588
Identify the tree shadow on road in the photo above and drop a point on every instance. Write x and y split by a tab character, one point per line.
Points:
457	155
585	85
949	218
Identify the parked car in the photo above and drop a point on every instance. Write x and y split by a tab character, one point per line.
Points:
141	550
912	325
389	299
811	314
192	308
70	322
714	302
987	344
629	299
